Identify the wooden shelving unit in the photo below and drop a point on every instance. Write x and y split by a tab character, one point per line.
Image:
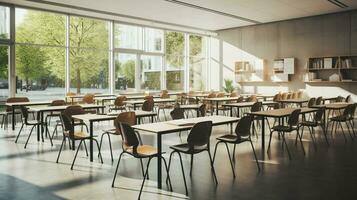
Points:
332	69
283	69
249	71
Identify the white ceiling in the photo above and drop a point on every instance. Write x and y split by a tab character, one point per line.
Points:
258	10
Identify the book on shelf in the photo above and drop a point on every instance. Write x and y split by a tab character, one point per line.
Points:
328	63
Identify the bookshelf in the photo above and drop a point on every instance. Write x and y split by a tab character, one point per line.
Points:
283	69
249	71
332	69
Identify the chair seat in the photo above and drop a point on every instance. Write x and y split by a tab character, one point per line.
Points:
143	151
79	135
184	148
284	128
340	118
232	139
111	131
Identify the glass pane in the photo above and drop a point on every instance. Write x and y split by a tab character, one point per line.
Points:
37	27
151	72
197	46
175	43
89	33
4	22
175	72
197	74
128	37
89	71
125	71
154	40
40	72
4	86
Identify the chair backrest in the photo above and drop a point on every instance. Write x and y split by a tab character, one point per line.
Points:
148	105
289	96
200	134
347	112
277	97
124	117
319	114
177	113
202	110
68	124
211	95
88	98
257	106
129	137
74	110
164	94
294	117
311	102
353	110
220	95
149	97
318	101
15	100
339	99
243	127
348	99
234	94
240	99
277	106
58	103
284	96
119	101
294	95
300	94
252	98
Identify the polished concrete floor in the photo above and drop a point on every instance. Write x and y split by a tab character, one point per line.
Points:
323	173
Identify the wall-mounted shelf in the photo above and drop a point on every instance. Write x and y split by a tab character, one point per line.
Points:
251	70
283	68
332	69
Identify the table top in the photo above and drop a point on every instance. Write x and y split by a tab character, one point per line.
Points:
183	124
28	103
105	117
155	101
127	97
283	112
82	95
59	108
293	100
190	106
138	113
333	106
221	99
248	104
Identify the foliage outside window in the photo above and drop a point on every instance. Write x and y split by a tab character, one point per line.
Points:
151	72
197	62
124	71
175	48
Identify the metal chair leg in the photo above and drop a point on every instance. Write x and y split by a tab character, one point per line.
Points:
60	150
146	173
183	173
191	165
22	126
230	160
255	155
116	170
212	167
343	132
85	147
29	137
287	148
75	156
101	158
110	148
215	150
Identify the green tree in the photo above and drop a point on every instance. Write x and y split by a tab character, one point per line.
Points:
3	62
128	70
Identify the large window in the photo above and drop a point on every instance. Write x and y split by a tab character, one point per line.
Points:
154	40
125	65
150	77
175	60
40	54
127	36
4	59
88	55
198	63
4	22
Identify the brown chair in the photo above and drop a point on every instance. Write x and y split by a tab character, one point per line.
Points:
340	99
289	96
295	95
55	114
202	110
119	104
126	117
220	95
88	99
177	113
234	94
252	98
68	99
149	97
131	146
300	94
293	125
32	123
242	134
75	136
284	96
8	110
197	142
76	110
